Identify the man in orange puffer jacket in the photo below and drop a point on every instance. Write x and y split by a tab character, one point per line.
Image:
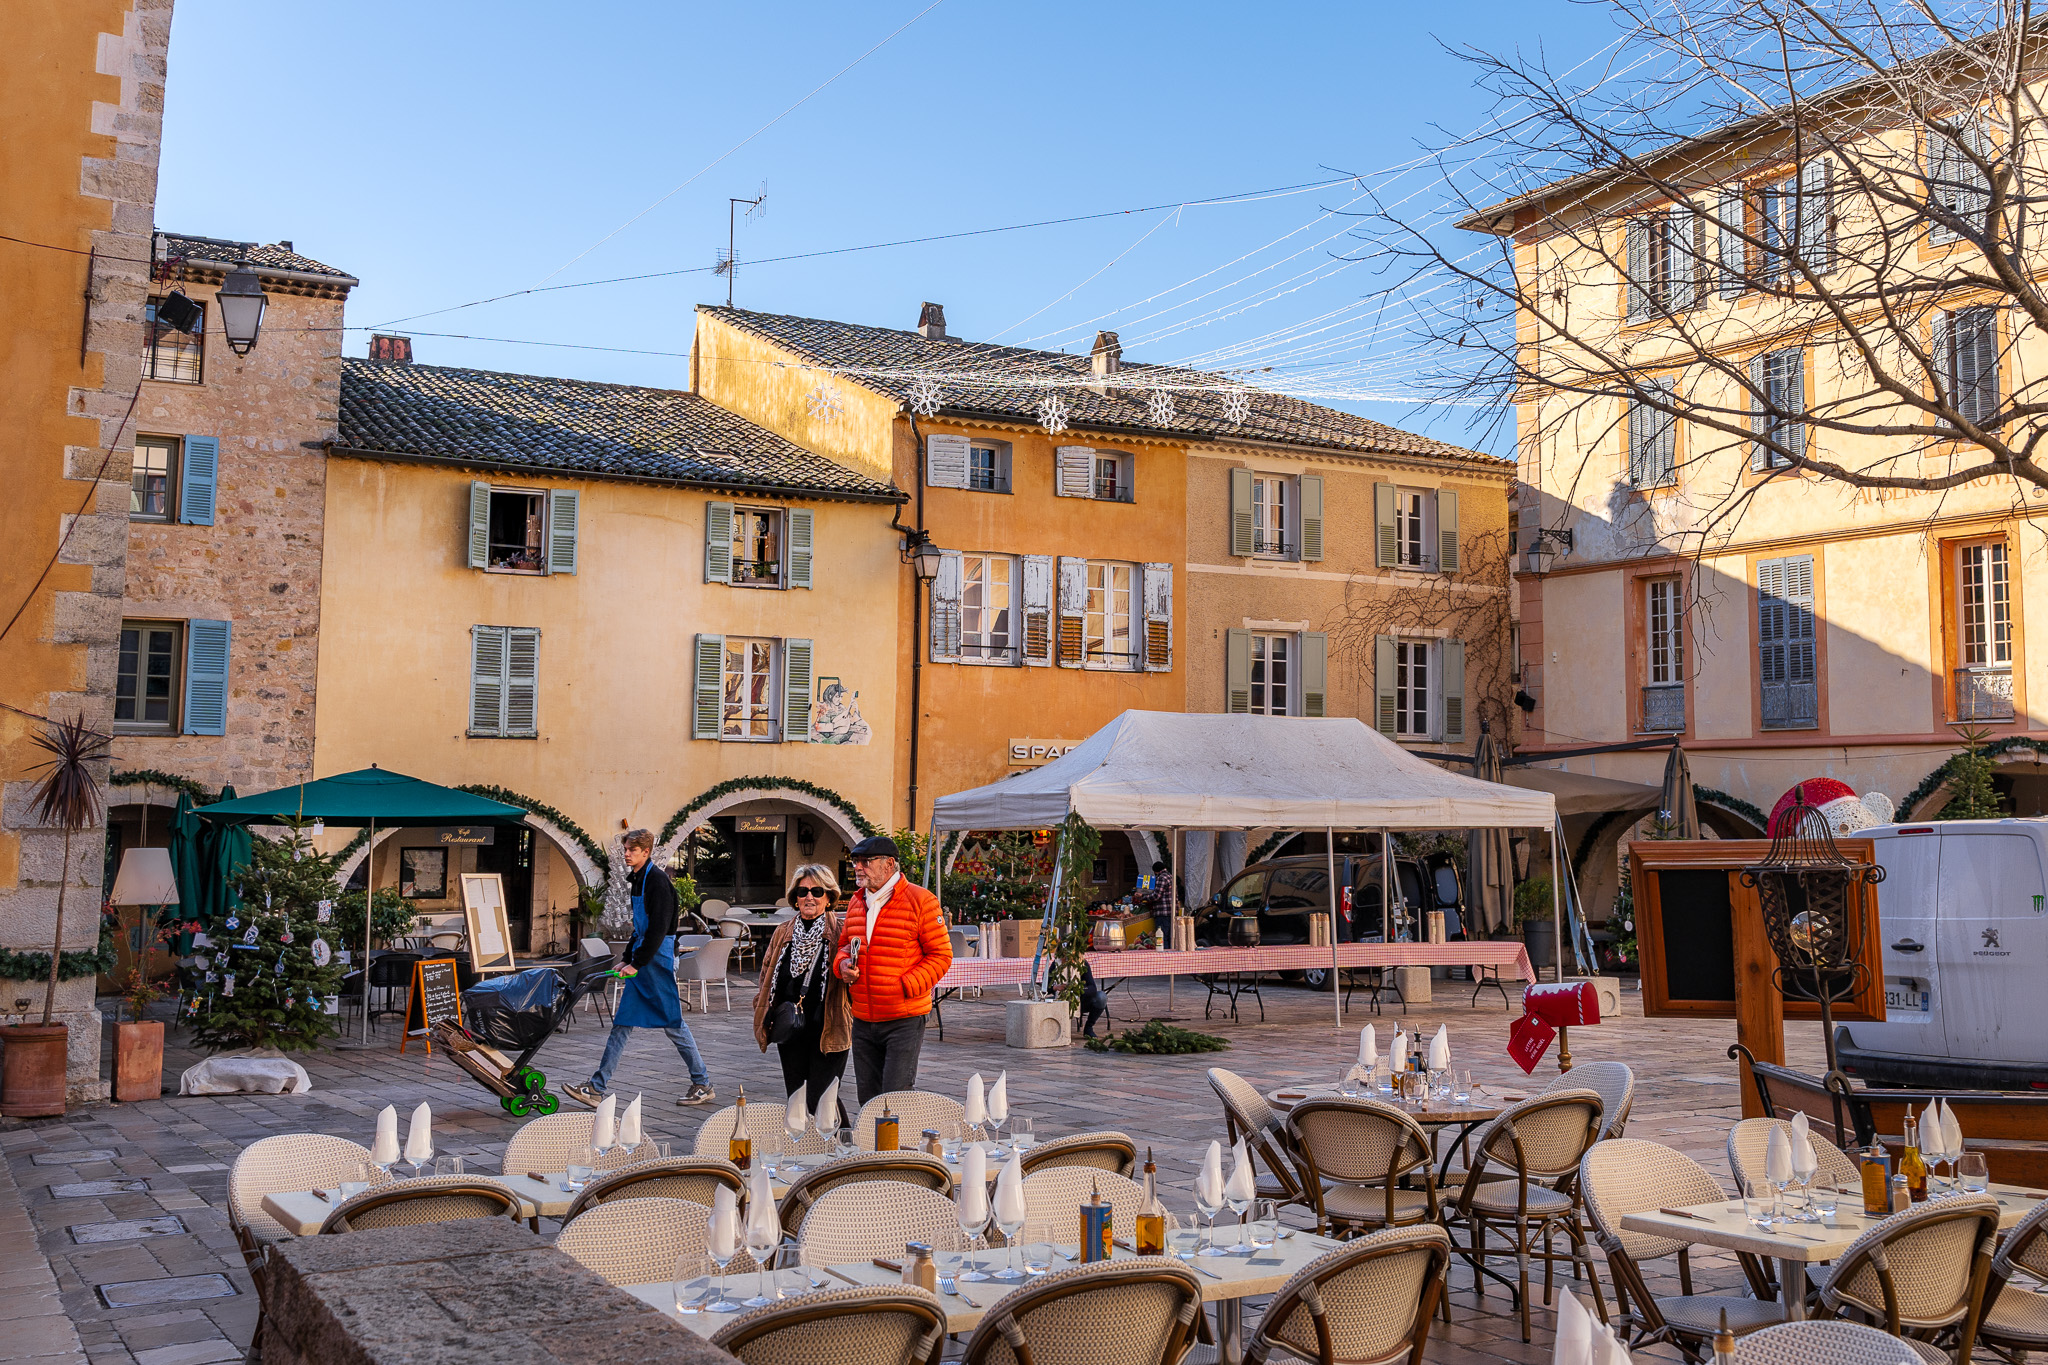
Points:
892	951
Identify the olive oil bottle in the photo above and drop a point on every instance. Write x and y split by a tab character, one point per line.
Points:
1150	1233
741	1147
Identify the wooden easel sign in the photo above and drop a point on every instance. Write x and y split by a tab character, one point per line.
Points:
436	998
490	935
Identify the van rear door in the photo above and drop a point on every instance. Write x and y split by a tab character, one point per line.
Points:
1993	932
1908	945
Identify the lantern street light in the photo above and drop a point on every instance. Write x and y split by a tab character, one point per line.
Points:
241	308
924	556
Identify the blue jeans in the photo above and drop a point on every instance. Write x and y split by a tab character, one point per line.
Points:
686	1048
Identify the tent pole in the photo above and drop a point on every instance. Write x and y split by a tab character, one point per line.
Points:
1173	906
1556	903
1336	971
369	917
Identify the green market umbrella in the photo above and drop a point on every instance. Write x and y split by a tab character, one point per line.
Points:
187	857
368	797
224	851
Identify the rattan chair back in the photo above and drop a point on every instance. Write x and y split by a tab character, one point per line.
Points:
546	1144
1614	1082
1135	1312
1750	1139
2025	1248
878	1324
1921	1269
1372	1299
1622	1176
289	1161
1357	1140
636	1241
915	1110
856	1223
1543	1137
692	1178
910	1168
1107	1151
1247	1115
431	1199
1823	1342
1055	1198
1242	1102
715	1137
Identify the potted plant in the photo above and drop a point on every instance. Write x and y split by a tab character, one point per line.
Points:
138	1044
1534	914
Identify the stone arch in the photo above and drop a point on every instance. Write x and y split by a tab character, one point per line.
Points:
835	819
587	871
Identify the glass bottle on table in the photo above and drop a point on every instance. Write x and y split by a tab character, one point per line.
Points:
1877	1180
887	1128
1149	1233
1911	1164
741	1145
1098	1227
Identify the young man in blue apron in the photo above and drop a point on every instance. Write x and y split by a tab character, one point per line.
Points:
649	998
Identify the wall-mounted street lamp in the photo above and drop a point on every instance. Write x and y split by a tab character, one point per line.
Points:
1547	546
241	308
922	556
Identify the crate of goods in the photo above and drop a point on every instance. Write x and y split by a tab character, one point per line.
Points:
1020	936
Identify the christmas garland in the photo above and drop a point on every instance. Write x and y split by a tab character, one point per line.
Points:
1933	781
510	798
1271	845
70	966
153	777
1735	805
792	784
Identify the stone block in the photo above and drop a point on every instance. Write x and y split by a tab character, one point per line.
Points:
1609	990
1413	983
1036	1023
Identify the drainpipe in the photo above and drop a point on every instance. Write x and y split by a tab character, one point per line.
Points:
916	622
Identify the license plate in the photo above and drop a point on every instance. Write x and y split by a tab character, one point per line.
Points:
1904	995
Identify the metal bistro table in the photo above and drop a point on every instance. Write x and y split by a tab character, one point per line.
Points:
1798	1245
1438	1119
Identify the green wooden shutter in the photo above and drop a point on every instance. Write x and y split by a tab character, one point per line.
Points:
198	483
1454	690
565	508
522	682
717	544
801	538
1386	546
1383	684
479	525
1237	672
1312	516
796	691
1241	512
1315	673
487	680
709	687
206	677
1446	531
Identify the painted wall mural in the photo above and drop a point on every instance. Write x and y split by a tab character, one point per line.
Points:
837	719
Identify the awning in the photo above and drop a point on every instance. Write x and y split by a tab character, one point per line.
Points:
371	795
1582	793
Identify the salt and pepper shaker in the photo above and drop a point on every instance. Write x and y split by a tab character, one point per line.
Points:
933	1145
918	1267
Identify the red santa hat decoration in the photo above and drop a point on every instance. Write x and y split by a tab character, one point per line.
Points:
1845	811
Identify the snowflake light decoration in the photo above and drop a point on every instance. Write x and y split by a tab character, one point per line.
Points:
1052	414
825	403
925	397
1159	403
1237	405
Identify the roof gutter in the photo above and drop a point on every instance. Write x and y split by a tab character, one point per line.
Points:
269	272
794	491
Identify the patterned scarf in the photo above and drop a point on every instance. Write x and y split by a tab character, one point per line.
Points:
805	948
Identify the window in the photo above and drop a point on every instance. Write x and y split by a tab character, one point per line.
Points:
1112	477
1084	472
1276	516
511	530
1788	668
987	616
152	477
1419	687
1663	254
517	524
169	353
1664	672
1796	220
1413	511
1273	673
1106	622
1269	515
1966	352
1777	383
1652	442
1957	185
988	468
967	462
1272	663
1414	528
1983	676
1411	688
756	547
504	683
748	682
146	680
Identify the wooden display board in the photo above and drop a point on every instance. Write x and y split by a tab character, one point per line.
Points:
436	998
490	935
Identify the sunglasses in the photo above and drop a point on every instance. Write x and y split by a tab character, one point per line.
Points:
804	893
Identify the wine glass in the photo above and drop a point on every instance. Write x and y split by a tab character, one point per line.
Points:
764	1235
795	1133
720	1303
1974	1172
1014	1269
1803	1167
1948	1155
1209	1212
423	1164
1241	1247
971	1228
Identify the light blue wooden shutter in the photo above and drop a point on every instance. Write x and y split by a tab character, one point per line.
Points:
487	680
1383	668
796	691
479	525
1315	673
565	509
801	538
1241	513
1386	544
1311	516
1237	672
1446	531
946	608
1731	247
707	689
1817	214
1759	370
717	544
198	481
522	682
1454	690
206	677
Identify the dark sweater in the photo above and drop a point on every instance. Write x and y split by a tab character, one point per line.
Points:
652	883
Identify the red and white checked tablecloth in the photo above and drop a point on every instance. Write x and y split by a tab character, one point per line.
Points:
1008	971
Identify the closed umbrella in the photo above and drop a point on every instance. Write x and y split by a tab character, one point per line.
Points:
1489	865
187	860
224	851
1677	801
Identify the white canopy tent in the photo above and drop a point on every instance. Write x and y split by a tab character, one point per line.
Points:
1175	772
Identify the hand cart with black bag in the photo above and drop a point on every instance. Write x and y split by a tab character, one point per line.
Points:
518	1013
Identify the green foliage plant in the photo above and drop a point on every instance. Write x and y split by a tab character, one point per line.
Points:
1158	1039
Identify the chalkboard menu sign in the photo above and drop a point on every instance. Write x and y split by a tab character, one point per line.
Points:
436	998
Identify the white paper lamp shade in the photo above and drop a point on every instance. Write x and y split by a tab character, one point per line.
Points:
145	878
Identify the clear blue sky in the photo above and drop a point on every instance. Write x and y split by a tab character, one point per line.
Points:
447	152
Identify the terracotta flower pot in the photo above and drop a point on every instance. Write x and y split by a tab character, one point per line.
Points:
139	1060
32	1070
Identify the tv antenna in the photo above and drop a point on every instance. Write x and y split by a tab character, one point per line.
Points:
728	260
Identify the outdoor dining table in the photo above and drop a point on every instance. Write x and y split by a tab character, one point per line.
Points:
1794	1246
1439	1117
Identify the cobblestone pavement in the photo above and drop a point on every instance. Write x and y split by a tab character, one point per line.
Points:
132	1259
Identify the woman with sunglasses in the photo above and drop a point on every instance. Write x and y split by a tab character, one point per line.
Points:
802	1006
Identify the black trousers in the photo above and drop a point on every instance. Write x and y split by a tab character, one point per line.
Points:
885	1055
804	1065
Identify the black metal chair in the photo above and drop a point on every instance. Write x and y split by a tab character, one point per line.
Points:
391	972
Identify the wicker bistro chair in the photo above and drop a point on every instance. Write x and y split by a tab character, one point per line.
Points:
1749	1139
1056	1196
431	1199
715	1137
1247	1115
1369	1300
1355	1153
692	1178
909	1168
878	1324
874	1218
918	1110
640	1241
1613	1081
2015	1318
290	1161
1135	1312
1108	1151
1830	1342
1626	1175
1920	1273
1537	1140
546	1144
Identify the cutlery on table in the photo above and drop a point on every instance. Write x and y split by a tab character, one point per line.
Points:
1681	1213
322	1196
837	1276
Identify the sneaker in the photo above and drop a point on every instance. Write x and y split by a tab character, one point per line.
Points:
699	1094
583	1095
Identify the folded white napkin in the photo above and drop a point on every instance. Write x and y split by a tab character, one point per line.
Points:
384	1147
1010	1208
972	1196
1951	1132
629	1124
977	1107
827	1117
764	1226
1368	1048
1209	1184
1440	1049
1804	1162
1242	1186
794	1115
999	1099
723	1234
1574	1345
419	1135
1778	1157
1607	1348
604	1124
1398	1053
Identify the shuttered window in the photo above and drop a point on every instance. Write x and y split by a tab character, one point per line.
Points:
1966	355
1036	596
1663	252
1419	688
1270	518
1956	183
150	478
1787	666
206	677
504	682
1652	441
748	690
1275	669
148	671
1731	248
199	480
1777	382
1415	528
1107	617
974	609
523	530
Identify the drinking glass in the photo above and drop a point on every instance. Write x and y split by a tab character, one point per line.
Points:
447	1165
1974	1172
970	1231
1759	1205
1021	1136
1265	1224
359	1179
1037	1246
949	1140
762	1240
580	1167
844	1146
721	1302
1209	1212
1461	1087
690	1296
1383	1076
1013	1269
767	1148
1184	1242
1827	1198
1347	1084
654	1151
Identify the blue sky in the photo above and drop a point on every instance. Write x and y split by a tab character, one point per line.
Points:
449	152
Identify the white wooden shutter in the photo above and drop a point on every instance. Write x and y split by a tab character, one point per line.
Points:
1446	531
802	523
487	680
1036	599
718	542
1730	248
1237	672
1241	529
1073	607
1315	673
479	525
206	677
1817	214
1158	597
945	461
1681	226
796	691
946	609
1383	669
198	479
522	681
1311	500
707	687
1759	453
1636	267
1386	544
1453	652
565	509
1074	472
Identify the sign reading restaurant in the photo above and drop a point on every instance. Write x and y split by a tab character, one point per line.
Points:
1034	753
469	834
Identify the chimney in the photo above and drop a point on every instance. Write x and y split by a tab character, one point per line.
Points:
385	346
1105	358
931	322
285	244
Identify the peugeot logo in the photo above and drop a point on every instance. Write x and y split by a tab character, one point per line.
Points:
1991	938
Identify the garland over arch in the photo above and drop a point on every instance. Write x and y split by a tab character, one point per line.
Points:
1934	780
788	784
152	777
546	812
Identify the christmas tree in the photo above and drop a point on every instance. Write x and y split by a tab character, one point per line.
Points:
271	961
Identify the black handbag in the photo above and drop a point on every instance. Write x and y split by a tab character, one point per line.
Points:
785	1021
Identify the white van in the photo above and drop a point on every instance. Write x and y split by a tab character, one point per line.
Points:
1964	911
